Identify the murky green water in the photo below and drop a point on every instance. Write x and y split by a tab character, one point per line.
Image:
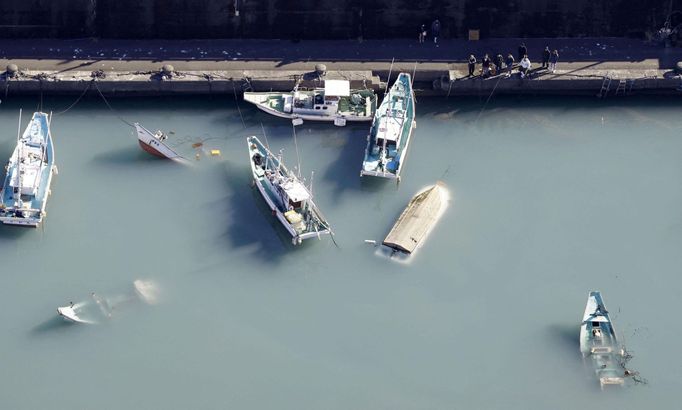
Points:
551	198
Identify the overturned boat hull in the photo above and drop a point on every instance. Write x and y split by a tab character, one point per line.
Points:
417	220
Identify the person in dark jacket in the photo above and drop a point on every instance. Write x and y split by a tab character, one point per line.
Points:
472	65
510	64
499	61
523	50
545	57
435	30
553	59
485	66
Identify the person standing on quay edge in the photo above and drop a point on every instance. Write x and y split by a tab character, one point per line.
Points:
472	65
422	34
553	59
522	51
545	57
435	30
510	64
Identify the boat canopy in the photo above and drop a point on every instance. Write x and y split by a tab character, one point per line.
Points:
295	190
338	88
389	128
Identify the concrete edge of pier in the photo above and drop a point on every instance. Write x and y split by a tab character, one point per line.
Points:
572	79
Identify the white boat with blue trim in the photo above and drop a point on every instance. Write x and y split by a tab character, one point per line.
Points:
391	131
598	341
24	194
288	198
335	102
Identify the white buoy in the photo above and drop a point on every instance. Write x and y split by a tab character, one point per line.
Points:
371	241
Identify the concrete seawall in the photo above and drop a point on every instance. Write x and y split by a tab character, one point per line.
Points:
587	66
428	82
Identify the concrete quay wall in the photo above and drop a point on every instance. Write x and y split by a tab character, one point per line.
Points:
428	82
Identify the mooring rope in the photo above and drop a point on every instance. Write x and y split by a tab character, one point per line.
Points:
236	101
109	105
489	96
77	99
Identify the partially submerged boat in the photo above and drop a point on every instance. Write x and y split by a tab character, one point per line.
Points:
288	198
155	143
24	194
598	341
391	131
98	308
417	219
335	102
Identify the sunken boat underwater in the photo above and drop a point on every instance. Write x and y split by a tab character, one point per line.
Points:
598	341
336	102
391	131
418	219
29	174
288	198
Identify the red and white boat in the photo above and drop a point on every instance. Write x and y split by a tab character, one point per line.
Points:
154	143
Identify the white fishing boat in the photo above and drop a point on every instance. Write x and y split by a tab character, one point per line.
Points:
598	341
155	143
288	198
335	102
391	131
24	194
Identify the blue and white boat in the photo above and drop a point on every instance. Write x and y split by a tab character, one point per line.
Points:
288	198
391	130
598	341
29	173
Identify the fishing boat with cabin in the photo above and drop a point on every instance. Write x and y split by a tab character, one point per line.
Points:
155	143
24	194
391	131
288	198
335	102
598	341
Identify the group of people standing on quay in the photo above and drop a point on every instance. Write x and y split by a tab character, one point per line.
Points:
435	32
499	64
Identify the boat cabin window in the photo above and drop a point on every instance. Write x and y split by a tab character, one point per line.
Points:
295	205
595	324
319	99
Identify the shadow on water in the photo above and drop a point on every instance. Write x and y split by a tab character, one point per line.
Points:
344	173
566	337
253	225
52	325
12	233
128	155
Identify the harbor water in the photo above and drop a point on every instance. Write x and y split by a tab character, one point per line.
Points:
549	199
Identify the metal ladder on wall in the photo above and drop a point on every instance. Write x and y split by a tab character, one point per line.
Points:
605	86
621	86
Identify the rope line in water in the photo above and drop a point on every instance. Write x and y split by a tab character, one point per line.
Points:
77	99
236	101
109	105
